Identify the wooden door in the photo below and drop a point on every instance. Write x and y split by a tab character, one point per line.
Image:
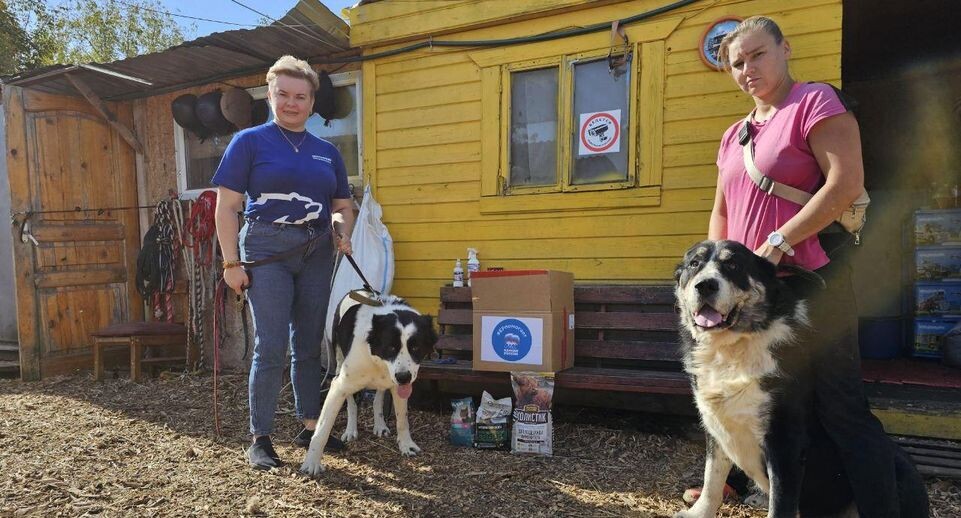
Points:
79	275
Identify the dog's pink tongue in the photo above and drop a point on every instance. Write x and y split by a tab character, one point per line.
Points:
405	390
708	317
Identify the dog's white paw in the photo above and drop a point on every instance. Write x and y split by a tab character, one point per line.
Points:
312	468
349	435
696	511
408	447
381	430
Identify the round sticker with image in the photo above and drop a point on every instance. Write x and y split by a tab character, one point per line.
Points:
511	339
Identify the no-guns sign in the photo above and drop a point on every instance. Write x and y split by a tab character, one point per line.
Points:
600	132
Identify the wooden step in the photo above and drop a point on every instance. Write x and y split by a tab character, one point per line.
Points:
8	368
9	352
935	458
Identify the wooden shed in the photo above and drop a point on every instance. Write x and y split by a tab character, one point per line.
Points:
91	148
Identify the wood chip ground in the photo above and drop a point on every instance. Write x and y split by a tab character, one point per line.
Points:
70	446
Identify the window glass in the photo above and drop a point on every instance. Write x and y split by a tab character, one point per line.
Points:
341	132
602	121
202	158
533	137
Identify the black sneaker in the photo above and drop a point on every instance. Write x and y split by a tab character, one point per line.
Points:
333	443
261	454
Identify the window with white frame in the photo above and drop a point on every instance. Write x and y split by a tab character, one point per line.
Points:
569	125
197	159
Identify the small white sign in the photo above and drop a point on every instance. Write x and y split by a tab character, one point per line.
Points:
508	339
600	132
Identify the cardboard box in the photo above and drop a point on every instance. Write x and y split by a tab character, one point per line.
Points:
937	298
937	227
523	320
928	333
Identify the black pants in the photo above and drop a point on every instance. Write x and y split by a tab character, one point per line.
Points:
866	452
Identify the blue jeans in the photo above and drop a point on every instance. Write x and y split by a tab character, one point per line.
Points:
288	301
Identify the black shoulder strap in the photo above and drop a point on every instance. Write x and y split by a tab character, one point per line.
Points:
850	103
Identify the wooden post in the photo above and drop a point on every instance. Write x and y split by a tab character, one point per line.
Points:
101	107
15	149
97	359
136	353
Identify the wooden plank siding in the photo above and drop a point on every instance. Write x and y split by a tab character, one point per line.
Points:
426	118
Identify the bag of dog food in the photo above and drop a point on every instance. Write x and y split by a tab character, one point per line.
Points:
462	422
533	430
491	428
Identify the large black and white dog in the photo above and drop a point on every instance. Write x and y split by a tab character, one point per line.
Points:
754	389
378	347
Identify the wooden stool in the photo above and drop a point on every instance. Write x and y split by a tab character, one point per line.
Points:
138	336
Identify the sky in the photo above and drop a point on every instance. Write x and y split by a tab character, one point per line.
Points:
229	11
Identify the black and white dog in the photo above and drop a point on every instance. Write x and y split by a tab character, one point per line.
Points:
378	347
754	389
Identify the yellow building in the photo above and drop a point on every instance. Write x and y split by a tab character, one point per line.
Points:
439	123
476	113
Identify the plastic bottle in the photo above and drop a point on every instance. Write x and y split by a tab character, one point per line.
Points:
458	275
473	265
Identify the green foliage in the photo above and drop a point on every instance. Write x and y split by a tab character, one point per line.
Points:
35	33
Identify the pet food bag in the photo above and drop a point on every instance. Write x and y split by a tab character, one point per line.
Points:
462	422
533	430
491	431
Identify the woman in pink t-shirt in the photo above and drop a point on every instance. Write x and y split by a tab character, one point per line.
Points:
805	137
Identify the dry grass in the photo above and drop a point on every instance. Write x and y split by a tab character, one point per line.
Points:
73	447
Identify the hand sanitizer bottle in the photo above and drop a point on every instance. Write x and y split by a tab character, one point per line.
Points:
458	275
473	265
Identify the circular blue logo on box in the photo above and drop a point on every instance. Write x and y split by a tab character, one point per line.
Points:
511	339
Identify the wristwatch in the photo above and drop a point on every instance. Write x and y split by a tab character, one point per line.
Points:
776	239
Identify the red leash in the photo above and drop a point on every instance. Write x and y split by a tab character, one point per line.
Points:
220	313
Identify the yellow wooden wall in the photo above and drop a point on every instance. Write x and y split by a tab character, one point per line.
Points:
424	119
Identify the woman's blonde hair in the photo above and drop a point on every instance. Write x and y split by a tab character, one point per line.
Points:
293	67
751	24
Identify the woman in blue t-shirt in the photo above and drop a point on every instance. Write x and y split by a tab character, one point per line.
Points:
296	189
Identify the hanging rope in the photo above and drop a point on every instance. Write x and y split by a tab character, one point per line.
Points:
196	237
194	342
155	262
201	226
166	247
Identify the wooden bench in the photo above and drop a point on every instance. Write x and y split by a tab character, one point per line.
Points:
625	341
139	336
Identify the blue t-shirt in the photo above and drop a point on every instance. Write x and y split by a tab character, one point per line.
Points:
283	186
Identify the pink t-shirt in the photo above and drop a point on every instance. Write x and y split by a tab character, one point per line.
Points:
781	152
